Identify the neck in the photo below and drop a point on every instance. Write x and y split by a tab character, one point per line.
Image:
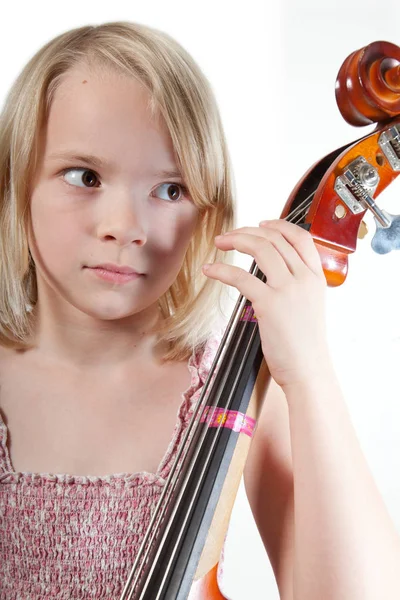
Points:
75	339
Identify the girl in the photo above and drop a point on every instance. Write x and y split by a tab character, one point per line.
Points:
106	315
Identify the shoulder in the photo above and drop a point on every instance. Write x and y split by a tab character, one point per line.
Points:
7	355
12	369
207	351
8	358
5	363
268	478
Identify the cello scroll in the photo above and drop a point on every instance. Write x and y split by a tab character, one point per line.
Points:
333	196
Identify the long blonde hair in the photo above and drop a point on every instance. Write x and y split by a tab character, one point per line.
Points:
181	93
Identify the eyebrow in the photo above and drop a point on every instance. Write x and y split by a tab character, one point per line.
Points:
100	163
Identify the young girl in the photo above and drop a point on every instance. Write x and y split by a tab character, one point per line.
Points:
115	179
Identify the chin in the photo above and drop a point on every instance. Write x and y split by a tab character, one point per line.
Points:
112	313
108	311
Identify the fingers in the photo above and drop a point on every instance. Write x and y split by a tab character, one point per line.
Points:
268	258
249	286
300	239
280	250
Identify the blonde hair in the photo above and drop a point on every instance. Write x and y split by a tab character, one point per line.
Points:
181	93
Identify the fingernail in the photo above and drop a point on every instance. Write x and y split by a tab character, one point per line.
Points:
263	223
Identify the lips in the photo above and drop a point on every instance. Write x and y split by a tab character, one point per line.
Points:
116	268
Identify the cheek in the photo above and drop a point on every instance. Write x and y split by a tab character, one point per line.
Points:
54	235
172	239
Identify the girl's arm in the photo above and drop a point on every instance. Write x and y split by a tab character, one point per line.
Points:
337	542
323	521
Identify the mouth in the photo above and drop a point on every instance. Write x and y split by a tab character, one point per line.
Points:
116	269
115	273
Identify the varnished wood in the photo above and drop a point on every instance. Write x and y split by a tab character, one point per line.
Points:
368	89
207	588
368	84
220	522
336	238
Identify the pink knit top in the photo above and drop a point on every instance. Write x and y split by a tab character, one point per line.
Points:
75	537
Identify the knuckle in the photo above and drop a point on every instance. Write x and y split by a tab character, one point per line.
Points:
260	243
271	233
304	235
240	276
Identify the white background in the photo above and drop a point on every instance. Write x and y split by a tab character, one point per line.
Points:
273	69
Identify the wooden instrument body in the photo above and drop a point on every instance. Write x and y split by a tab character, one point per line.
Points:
205	586
374	72
336	238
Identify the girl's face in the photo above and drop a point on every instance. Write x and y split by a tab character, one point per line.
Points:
119	207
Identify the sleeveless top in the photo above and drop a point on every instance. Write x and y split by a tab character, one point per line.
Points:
76	537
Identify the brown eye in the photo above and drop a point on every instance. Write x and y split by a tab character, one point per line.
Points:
78	175
176	191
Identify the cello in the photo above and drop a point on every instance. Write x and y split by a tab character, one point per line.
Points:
178	558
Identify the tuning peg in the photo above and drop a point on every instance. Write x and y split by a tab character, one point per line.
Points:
387	235
356	187
362	230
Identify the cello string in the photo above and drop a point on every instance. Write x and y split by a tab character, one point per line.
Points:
151	526
175	472
199	483
303	206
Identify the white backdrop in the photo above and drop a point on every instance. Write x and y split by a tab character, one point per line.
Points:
273	70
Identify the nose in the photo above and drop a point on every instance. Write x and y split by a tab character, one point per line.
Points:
123	222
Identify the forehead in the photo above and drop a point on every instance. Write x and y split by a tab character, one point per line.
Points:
105	113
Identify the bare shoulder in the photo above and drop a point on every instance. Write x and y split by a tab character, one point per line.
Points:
7	356
268	478
9	361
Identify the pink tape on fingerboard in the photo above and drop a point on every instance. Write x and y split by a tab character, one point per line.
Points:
248	314
232	419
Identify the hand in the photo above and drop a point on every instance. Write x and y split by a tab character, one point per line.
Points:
290	306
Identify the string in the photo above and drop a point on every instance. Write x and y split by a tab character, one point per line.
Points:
175	472
191	432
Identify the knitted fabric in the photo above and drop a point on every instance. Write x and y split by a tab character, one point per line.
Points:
76	537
